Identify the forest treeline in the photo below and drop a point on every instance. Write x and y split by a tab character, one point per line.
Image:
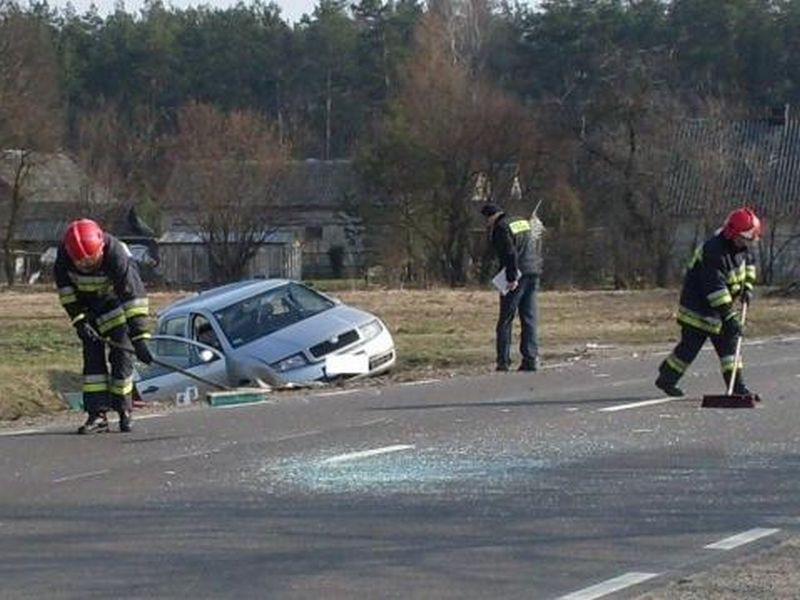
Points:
435	104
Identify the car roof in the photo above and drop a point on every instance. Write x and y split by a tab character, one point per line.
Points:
224	295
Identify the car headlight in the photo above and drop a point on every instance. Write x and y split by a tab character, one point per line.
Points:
295	361
370	330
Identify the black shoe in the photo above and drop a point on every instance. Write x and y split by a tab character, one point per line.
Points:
529	366
741	389
125	424
670	389
501	367
94	424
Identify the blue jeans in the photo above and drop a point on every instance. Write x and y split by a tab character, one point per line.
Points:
523	298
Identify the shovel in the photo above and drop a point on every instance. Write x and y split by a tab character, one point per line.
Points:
731	400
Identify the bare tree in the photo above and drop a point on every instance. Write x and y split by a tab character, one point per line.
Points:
121	152
633	152
30	111
231	167
463	125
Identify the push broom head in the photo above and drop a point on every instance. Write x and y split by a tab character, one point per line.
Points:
730	401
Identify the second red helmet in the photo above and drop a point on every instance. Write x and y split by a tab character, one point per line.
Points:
742	222
83	239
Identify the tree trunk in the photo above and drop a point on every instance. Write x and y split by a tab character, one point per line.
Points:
17	200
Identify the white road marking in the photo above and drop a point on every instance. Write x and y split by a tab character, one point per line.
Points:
557	365
81	476
294	436
420	382
610	586
20	432
244	404
148	416
617	407
337	393
367	453
624	382
741	539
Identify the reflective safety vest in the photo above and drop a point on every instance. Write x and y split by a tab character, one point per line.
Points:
513	242
112	296
717	275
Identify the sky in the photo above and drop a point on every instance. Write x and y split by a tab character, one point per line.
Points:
291	10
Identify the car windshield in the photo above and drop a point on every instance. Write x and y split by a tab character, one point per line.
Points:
269	312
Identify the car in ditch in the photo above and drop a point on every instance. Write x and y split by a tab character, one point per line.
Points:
264	333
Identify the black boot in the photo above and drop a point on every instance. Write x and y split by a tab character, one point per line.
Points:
125	422
531	364
668	387
667	380
95	423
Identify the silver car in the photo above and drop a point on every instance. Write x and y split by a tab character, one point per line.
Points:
260	332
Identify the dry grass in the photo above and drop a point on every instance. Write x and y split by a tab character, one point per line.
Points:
434	330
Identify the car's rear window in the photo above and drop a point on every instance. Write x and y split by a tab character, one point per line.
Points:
269	312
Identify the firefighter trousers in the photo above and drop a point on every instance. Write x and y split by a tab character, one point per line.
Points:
687	349
107	380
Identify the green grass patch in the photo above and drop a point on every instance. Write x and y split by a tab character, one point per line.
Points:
433	329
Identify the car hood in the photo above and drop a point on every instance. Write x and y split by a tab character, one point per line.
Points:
306	333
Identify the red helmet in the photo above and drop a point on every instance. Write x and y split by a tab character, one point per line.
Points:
83	240
742	222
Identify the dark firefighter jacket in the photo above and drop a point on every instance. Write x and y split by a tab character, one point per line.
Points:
717	274
515	247
109	297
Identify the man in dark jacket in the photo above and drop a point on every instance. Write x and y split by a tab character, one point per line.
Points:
100	288
721	271
512	240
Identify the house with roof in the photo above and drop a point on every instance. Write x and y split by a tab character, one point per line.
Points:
754	162
56	191
310	208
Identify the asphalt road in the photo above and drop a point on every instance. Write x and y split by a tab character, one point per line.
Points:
577	482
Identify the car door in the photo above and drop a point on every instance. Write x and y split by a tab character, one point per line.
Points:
162	380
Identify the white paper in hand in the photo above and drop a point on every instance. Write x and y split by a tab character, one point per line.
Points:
501	283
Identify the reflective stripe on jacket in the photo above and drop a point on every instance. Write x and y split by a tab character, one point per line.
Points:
717	274
111	296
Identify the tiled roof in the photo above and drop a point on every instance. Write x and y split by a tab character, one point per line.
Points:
54	178
307	183
754	163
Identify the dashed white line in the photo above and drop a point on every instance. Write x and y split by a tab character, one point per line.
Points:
81	476
746	537
610	586
367	453
635	404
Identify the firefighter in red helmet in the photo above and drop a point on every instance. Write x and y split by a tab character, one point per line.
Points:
720	272
100	288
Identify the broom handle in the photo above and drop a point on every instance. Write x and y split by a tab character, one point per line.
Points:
738	352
